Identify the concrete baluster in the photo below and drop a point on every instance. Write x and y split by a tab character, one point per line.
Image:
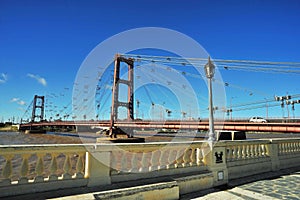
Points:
80	166
172	159
251	151
199	157
292	147
186	157
284	145
282	148
144	162
256	150
287	148
134	163
262	153
233	153
7	170
24	169
53	168
297	146
39	168
124	163
163	160
265	152
259	151
154	162
193	157
244	151
262	150
179	158
67	167
239	152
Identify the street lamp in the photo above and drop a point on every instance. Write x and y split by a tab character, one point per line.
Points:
282	99
209	69
293	105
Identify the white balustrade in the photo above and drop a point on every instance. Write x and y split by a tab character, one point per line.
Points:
289	147
245	151
38	165
24	164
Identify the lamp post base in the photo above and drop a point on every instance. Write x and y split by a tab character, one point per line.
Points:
211	137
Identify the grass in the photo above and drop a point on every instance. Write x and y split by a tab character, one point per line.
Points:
8	128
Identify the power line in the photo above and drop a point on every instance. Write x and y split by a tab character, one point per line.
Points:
244	65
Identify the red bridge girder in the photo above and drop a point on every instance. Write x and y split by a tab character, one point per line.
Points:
237	126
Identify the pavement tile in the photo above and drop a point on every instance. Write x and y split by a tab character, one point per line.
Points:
285	187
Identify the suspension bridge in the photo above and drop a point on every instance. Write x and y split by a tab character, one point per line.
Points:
169	89
169	169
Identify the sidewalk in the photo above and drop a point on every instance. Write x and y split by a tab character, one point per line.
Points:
280	187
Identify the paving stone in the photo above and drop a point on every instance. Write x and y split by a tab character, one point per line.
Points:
285	187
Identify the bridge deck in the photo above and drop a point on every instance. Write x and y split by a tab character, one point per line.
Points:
195	125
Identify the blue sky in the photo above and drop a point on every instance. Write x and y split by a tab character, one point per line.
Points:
43	43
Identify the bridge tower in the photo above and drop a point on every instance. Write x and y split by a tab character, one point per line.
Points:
115	93
38	108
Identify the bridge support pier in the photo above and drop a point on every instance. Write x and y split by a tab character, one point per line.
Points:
38	104
117	134
114	131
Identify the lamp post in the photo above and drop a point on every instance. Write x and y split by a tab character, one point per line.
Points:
209	69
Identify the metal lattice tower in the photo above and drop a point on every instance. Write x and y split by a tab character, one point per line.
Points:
115	96
38	108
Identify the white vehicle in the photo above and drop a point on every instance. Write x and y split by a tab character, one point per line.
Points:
258	120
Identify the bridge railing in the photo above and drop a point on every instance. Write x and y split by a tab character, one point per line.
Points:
37	168
161	159
30	167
